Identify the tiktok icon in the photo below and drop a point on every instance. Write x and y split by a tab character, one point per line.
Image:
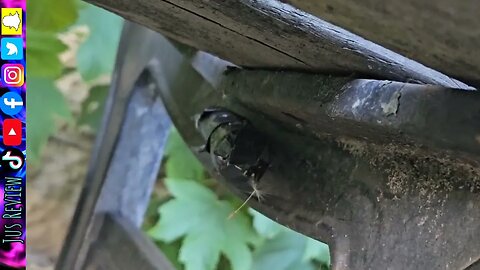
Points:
12	160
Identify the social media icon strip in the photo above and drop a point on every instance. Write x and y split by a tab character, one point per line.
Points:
13	75
12	132
11	21
11	103
12	48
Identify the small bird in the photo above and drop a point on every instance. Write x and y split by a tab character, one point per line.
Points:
12	48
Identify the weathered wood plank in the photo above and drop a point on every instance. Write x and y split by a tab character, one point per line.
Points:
127	155
270	34
138	153
442	34
196	31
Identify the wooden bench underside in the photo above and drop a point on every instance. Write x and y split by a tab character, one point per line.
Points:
443	35
408	227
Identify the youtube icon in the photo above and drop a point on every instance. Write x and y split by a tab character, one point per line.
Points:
12	132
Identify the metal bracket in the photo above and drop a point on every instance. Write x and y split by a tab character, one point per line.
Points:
386	173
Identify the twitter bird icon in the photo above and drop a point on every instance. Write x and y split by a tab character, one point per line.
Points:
12	48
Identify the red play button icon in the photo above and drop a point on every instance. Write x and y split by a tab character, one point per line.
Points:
12	132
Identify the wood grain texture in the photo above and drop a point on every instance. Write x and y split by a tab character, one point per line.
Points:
443	34
271	34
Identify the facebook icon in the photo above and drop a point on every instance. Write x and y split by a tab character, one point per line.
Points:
11	103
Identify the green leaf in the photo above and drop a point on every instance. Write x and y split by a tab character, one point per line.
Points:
240	256
181	163
96	56
317	251
93	107
196	214
200	251
265	226
44	104
171	251
287	248
283	252
188	191
51	15
42	52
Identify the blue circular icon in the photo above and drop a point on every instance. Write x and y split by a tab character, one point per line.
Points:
11	103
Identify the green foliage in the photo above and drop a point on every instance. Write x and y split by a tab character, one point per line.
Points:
93	107
171	251
44	104
46	19
199	219
44	101
181	163
51	15
283	252
286	249
43	51
265	226
317	251
196	214
97	55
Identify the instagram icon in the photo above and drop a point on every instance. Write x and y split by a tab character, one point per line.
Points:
12	75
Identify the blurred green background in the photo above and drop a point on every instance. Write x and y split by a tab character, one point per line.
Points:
71	49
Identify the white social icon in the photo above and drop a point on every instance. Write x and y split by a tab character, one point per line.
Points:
12	49
12	103
12	75
12	21
15	161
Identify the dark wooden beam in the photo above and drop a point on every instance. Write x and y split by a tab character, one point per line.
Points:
270	34
441	34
